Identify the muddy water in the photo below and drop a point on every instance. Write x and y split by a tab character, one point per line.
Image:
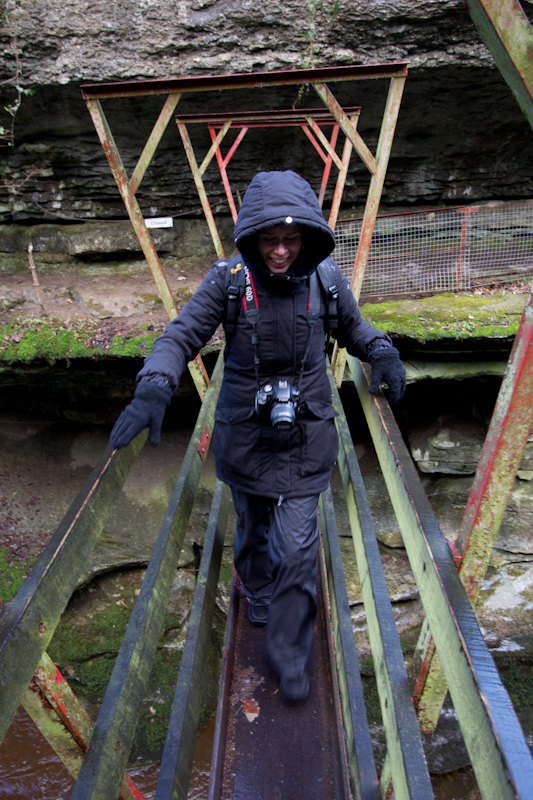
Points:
28	765
29	768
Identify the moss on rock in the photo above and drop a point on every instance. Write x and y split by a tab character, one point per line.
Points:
12	575
449	316
53	340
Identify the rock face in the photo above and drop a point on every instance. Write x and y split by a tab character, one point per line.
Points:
451	445
460	138
78	40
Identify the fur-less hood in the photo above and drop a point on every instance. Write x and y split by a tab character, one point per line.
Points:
275	198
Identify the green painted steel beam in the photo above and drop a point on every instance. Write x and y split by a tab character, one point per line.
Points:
359	752
102	771
28	623
176	764
494	739
505	29
405	751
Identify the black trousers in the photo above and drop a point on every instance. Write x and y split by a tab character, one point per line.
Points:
276	547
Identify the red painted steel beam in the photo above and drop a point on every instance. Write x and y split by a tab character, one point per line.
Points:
327	166
222	168
235	145
73	715
313	128
259	80
500	458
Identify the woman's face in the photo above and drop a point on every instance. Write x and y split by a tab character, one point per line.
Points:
279	246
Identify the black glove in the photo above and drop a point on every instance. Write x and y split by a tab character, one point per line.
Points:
146	409
386	368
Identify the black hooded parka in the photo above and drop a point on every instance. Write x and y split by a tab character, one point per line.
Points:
250	454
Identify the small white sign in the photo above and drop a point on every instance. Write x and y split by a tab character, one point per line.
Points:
159	222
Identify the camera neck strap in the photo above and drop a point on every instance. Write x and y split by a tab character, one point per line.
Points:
251	311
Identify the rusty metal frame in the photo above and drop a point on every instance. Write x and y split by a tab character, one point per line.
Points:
27	624
102	771
498	750
128	187
377	167
319	79
309	120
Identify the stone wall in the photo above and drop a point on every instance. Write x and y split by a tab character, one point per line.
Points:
460	138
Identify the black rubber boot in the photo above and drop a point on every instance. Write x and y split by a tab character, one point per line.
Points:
295	687
258	612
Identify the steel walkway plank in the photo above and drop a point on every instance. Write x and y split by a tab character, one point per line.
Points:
264	747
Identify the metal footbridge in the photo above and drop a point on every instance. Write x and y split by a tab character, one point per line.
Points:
264	748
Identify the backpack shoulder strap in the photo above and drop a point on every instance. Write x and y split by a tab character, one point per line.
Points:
327	274
234	292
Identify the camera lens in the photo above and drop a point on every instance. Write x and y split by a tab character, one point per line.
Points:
282	415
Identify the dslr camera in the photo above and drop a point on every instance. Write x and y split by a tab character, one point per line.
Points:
277	402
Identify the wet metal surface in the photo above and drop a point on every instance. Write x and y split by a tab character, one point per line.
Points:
276	750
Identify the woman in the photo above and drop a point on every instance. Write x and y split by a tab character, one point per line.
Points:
275	441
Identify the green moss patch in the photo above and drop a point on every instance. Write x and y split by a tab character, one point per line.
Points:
449	316
53	340
85	646
516	674
12	575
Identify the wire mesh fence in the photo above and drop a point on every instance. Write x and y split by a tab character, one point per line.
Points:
442	250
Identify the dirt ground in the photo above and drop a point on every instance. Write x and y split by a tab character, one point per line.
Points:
127	301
